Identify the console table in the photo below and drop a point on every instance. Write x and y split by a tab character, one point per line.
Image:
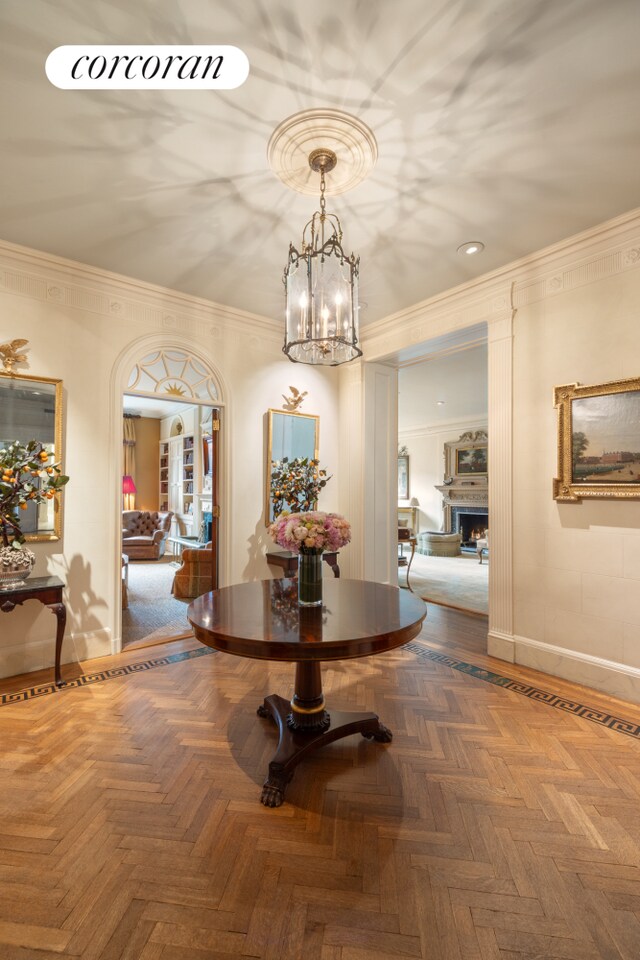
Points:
289	561
262	620
48	590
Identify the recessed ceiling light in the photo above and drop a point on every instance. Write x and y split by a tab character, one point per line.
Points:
473	246
440	403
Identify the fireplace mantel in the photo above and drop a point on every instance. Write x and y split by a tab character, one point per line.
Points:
466	479
463	493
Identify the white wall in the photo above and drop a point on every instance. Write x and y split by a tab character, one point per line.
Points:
81	324
460	380
576	566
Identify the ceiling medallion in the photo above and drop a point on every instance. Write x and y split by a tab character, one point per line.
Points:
298	136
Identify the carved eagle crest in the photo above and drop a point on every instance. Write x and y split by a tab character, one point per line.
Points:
10	355
294	401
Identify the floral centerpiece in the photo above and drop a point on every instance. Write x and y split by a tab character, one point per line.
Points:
311	532
28	475
309	535
296	483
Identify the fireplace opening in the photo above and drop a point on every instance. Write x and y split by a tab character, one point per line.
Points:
471	527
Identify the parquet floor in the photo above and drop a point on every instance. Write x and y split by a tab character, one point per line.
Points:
494	827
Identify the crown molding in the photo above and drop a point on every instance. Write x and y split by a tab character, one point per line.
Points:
45	277
444	426
602	251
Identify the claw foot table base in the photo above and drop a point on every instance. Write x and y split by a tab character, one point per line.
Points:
296	744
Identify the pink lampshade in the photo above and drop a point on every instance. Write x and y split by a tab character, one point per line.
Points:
128	486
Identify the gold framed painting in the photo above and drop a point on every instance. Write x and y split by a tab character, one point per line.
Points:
598	441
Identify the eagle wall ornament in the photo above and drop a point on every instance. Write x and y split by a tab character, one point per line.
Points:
294	401
10	355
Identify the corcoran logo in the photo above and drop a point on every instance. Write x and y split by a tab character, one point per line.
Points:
147	67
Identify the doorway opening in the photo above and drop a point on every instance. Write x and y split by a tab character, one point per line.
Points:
169	545
443	469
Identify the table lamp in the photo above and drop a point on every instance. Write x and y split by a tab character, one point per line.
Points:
128	491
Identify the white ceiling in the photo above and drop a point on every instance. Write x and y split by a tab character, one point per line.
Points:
449	388
514	122
155	408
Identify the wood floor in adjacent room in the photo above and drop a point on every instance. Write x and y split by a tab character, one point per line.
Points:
498	824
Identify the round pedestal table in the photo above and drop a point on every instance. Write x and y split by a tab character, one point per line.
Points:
262	620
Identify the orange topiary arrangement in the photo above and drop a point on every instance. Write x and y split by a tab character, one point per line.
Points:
296	484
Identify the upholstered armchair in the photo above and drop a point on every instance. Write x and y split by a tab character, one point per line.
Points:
144	534
195	576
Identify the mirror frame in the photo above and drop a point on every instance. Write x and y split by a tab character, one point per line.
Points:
316	451
56	533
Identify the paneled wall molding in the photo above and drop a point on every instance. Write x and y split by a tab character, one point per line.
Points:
380	488
433	318
351	476
41	276
444	427
606	250
500	364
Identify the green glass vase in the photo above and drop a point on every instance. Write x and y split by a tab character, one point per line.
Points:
310	579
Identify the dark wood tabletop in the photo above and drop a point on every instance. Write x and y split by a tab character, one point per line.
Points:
263	621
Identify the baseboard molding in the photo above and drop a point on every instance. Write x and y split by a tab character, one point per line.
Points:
607	676
501	645
40	654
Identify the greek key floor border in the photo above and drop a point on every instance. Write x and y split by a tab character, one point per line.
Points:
527	690
421	651
90	679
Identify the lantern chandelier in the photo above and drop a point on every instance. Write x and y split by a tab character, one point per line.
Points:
321	287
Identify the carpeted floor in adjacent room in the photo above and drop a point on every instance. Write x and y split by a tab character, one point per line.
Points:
452	581
153	614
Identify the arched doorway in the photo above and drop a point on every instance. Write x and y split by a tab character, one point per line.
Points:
175	387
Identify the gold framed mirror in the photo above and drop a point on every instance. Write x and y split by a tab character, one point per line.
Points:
31	409
289	435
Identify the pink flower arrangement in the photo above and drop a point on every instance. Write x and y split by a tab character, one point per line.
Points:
312	532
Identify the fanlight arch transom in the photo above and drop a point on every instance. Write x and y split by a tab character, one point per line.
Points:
173	373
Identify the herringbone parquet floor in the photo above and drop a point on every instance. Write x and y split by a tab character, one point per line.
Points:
494	826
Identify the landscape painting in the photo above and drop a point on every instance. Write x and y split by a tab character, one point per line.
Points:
605	438
471	460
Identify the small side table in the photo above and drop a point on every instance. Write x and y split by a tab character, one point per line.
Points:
289	561
412	541
482	544
48	590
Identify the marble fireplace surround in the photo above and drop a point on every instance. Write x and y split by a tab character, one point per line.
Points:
463	496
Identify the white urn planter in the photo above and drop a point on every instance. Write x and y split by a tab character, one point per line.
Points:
16	563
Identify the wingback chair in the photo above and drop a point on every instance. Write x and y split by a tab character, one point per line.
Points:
144	534
195	576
